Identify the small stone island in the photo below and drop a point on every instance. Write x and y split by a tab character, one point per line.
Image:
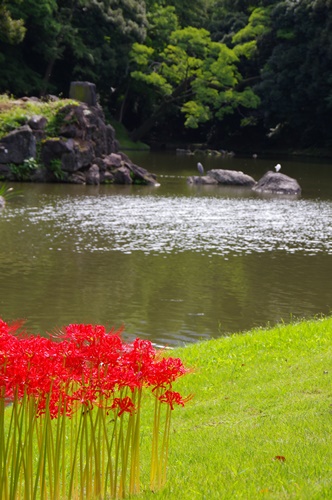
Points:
83	150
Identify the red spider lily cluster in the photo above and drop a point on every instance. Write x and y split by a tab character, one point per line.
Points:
80	376
84	366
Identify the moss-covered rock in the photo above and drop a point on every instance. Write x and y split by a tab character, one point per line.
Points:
74	144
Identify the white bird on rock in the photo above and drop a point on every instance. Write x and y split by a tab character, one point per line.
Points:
277	167
200	168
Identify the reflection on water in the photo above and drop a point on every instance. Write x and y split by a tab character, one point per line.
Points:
208	225
173	264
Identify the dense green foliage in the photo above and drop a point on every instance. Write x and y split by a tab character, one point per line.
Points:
182	69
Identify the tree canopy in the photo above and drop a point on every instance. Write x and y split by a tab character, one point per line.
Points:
196	65
194	73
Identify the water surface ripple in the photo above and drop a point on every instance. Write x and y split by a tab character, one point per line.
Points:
163	224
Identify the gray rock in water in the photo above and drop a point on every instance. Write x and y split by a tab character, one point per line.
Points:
277	183
201	179
77	178
141	175
122	176
231	177
2	202
93	175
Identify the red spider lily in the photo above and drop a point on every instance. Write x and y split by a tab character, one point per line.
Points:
164	372
6	329
85	366
82	334
124	405
139	353
172	398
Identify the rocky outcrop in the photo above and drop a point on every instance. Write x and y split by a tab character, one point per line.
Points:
223	177
83	151
277	183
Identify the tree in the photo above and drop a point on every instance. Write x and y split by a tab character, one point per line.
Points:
189	12
296	79
110	34
194	73
94	40
12	31
66	39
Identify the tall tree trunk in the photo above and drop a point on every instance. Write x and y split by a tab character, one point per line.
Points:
123	105
47	77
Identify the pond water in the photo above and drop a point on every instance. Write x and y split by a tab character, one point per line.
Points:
175	263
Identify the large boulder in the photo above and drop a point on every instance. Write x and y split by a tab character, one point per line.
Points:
88	124
201	179
122	176
231	177
93	175
223	177
277	183
54	149
82	156
117	168
113	160
37	122
141	175
84	92
17	146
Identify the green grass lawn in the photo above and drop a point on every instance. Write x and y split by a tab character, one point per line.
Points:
260	421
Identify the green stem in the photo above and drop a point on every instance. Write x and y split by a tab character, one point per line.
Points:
134	485
96	473
165	447
45	453
59	457
17	445
74	455
109	471
3	475
155	462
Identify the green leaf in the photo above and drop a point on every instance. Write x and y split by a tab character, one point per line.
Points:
258	24
153	79
195	113
141	54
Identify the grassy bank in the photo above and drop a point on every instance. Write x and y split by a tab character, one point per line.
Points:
260	423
